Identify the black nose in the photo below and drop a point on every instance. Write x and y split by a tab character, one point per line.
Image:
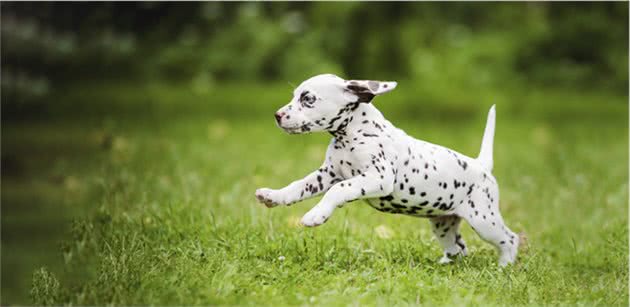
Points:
278	116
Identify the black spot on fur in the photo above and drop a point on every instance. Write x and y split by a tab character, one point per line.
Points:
470	188
398	206
363	94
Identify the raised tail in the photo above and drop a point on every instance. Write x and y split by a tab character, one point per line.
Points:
485	155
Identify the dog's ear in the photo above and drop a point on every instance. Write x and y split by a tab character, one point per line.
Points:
365	90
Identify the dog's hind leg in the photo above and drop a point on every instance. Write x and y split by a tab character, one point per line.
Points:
446	230
482	213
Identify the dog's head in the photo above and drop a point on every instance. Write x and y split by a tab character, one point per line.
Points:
322	102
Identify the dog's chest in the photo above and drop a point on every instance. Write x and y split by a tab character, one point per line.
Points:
349	165
355	154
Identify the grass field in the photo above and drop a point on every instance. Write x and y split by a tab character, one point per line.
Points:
138	195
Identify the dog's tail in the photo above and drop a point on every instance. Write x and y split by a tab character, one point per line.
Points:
485	155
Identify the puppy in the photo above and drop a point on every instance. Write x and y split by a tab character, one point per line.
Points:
368	158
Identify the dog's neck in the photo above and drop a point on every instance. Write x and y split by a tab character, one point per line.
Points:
352	118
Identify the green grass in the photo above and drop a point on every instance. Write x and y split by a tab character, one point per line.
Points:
143	196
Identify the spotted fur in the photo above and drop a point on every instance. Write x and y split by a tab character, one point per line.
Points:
369	158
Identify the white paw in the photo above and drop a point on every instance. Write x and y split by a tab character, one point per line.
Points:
508	256
317	216
504	261
445	260
267	197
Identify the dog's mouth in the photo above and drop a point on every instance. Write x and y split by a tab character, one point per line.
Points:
291	130
297	129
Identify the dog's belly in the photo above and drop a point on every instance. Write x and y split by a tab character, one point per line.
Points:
431	181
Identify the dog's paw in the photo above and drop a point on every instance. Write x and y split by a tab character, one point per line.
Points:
316	217
508	254
267	197
445	260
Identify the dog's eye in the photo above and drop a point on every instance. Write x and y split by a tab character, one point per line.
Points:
307	98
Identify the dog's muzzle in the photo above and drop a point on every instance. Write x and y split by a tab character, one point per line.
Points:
279	116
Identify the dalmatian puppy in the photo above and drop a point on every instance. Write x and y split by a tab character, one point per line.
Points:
370	159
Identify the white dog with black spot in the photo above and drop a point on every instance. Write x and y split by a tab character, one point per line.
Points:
368	158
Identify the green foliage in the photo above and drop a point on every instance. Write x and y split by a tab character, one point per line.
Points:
572	45
578	47
45	289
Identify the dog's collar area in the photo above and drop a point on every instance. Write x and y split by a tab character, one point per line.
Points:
338	133
340	130
344	118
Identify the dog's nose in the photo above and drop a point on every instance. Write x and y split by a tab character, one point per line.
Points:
279	116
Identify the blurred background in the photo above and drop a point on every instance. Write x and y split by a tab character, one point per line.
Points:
52	46
84	82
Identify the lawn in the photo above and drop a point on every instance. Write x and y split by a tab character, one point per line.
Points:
144	195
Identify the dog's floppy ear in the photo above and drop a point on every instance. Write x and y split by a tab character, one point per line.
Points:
365	90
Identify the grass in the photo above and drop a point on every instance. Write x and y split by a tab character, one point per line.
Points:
144	196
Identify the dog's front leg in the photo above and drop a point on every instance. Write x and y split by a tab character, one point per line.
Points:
368	185
312	185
